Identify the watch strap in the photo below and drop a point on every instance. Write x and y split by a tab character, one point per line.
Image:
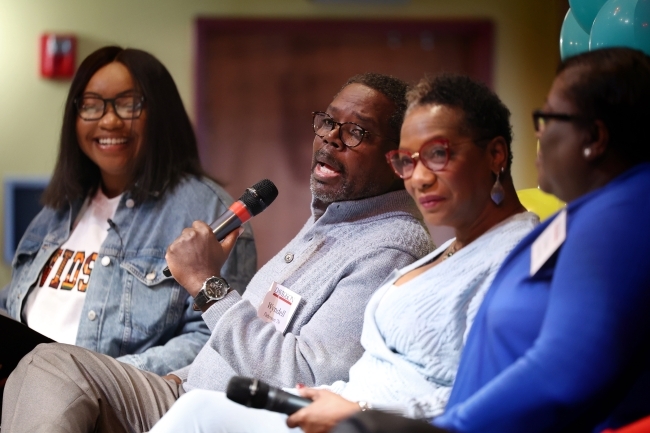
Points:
211	301
202	298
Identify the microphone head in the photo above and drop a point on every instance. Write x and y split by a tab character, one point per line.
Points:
249	392
259	196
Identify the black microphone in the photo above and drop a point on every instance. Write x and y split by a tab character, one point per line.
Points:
259	395
256	198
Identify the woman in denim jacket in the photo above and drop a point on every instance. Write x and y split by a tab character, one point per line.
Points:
125	136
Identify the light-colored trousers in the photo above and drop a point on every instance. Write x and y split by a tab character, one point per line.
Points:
58	388
201	411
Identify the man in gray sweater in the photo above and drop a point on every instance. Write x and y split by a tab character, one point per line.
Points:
299	320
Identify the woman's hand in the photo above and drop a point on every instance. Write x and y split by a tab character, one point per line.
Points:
197	255
324	413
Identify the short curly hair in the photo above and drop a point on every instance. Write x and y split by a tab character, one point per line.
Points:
613	85
485	115
394	89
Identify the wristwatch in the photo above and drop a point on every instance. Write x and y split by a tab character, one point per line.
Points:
213	289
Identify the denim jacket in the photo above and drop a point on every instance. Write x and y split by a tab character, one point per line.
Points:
132	311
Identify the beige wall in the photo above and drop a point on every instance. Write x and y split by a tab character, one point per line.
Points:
31	108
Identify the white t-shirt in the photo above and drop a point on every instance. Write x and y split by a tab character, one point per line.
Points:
54	305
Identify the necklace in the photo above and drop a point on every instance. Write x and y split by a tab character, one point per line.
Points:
451	251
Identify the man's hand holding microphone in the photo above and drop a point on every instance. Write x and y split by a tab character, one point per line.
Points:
197	255
201	250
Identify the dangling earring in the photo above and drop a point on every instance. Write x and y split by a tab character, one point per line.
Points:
497	193
587	152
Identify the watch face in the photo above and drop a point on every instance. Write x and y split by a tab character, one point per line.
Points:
214	288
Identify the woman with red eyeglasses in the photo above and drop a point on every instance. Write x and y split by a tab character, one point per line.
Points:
454	157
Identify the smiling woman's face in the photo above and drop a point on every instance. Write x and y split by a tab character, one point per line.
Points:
111	142
460	192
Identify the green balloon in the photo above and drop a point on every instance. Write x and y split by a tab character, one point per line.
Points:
573	39
585	12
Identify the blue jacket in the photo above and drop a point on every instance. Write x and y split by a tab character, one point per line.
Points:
132	310
566	349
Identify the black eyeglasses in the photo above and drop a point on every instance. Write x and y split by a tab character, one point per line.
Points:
125	107
540	118
350	133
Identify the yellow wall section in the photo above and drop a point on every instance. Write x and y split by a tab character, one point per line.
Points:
31	107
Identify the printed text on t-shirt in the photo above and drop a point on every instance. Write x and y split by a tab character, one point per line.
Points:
74	265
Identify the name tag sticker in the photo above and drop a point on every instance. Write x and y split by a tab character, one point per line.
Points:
279	306
548	242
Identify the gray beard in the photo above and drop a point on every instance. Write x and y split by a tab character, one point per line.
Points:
343	193
329	196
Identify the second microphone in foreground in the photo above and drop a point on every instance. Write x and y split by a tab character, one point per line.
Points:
259	395
254	200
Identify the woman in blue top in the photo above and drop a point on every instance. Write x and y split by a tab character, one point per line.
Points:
88	270
561	341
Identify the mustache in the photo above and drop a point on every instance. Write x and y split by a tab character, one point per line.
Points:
324	157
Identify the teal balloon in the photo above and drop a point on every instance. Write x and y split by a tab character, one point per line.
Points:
614	25
585	12
573	40
642	25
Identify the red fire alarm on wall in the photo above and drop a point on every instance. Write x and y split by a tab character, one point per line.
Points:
58	55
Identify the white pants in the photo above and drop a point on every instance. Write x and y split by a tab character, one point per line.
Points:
201	411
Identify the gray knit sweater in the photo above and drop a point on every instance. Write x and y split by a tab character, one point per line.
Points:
340	257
